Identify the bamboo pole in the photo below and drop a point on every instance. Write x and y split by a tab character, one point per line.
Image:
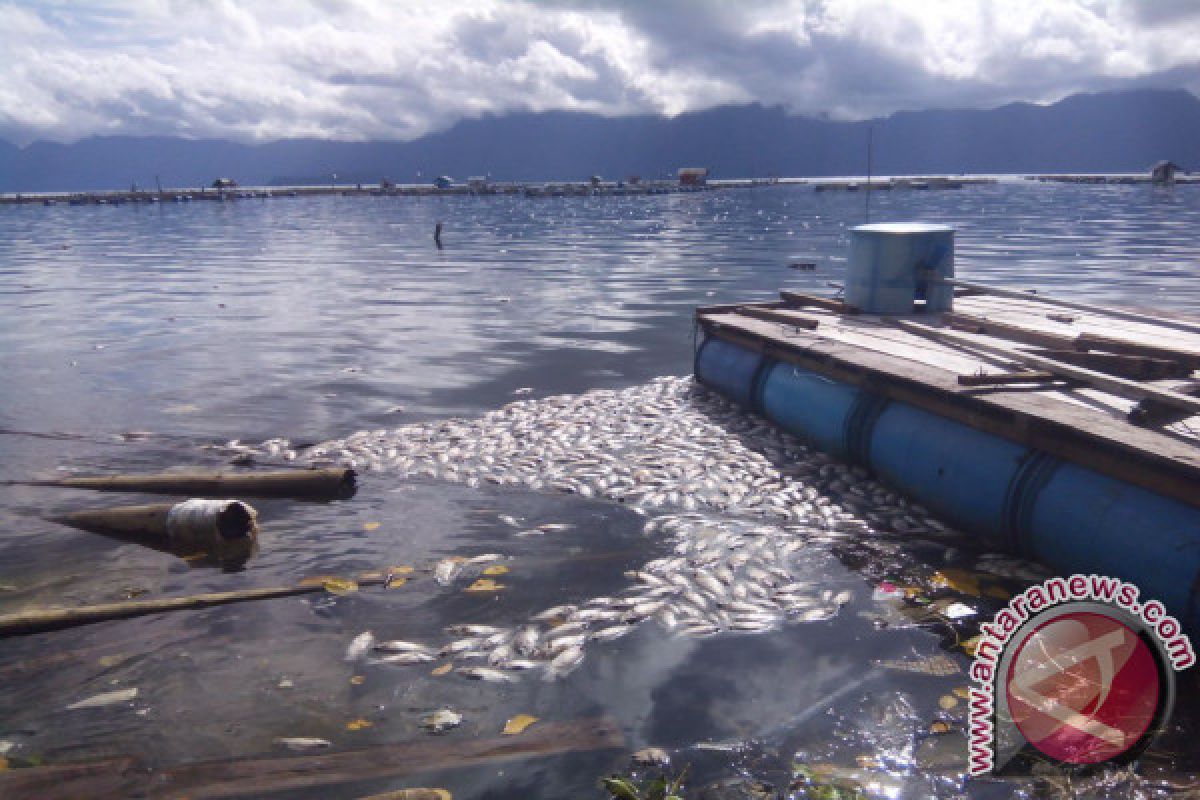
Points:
1131	390
224	529
52	619
305	484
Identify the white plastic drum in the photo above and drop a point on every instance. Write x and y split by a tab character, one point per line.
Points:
887	261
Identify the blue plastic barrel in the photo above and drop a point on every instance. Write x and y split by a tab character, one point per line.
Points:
1017	498
884	273
962	474
729	369
811	406
1086	522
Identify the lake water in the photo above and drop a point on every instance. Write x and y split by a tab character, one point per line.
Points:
187	325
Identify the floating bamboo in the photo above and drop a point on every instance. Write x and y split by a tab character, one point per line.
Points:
303	484
52	619
224	529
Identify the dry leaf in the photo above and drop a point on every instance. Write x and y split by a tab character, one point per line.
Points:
962	691
340	586
371	526
485	585
443	669
957	579
359	724
947	701
518	724
317	580
402	569
969	645
412	794
396	583
357	680
3	763
939	727
498	569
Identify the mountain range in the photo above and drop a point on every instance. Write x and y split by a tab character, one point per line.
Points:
1106	132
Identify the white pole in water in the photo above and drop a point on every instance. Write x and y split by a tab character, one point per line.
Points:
870	134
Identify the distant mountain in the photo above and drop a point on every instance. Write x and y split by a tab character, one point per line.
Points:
1109	132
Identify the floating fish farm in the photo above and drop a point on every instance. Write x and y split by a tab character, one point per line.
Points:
1056	430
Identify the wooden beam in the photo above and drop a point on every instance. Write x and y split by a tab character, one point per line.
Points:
1094	341
802	299
1130	390
1006	378
1005	330
1116	313
1124	366
793	318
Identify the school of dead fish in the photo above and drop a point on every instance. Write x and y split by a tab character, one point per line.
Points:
739	498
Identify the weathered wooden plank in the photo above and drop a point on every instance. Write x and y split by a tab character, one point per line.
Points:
1094	439
1003	330
783	316
802	299
1124	366
1006	378
1121	387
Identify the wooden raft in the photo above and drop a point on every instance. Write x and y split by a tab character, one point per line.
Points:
1114	394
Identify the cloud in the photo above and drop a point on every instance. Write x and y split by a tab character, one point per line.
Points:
377	69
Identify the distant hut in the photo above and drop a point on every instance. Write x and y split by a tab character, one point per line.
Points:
477	183
595	181
1163	173
693	176
443	181
224	183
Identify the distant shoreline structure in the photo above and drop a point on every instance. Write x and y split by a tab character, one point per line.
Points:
565	188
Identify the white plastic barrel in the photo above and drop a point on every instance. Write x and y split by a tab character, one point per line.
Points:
887	262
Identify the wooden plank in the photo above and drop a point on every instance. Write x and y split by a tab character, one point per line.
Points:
1092	341
255	777
1004	330
802	299
1119	386
1116	313
792	318
1080	434
1124	366
1006	378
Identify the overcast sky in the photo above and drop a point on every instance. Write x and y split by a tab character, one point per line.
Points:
396	69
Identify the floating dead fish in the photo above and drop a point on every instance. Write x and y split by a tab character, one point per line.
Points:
405	659
302	743
442	720
486	674
360	645
105	699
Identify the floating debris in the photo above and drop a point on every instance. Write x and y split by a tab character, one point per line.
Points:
939	665
518	724
360	646
651	757
105	699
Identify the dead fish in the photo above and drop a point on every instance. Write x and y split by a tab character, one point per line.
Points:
555	527
442	720
105	699
405	659
359	646
302	743
446	571
611	633
556	611
473	630
399	646
486	674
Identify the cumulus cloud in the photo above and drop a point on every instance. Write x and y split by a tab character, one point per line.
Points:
378	69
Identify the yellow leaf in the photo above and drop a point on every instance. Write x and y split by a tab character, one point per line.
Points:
939	727
357	680
396	583
371	526
457	559
340	586
498	569
443	669
957	579
359	724
317	580
402	569
947	701
373	575
518	724
485	585
962	691
3	763
969	645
